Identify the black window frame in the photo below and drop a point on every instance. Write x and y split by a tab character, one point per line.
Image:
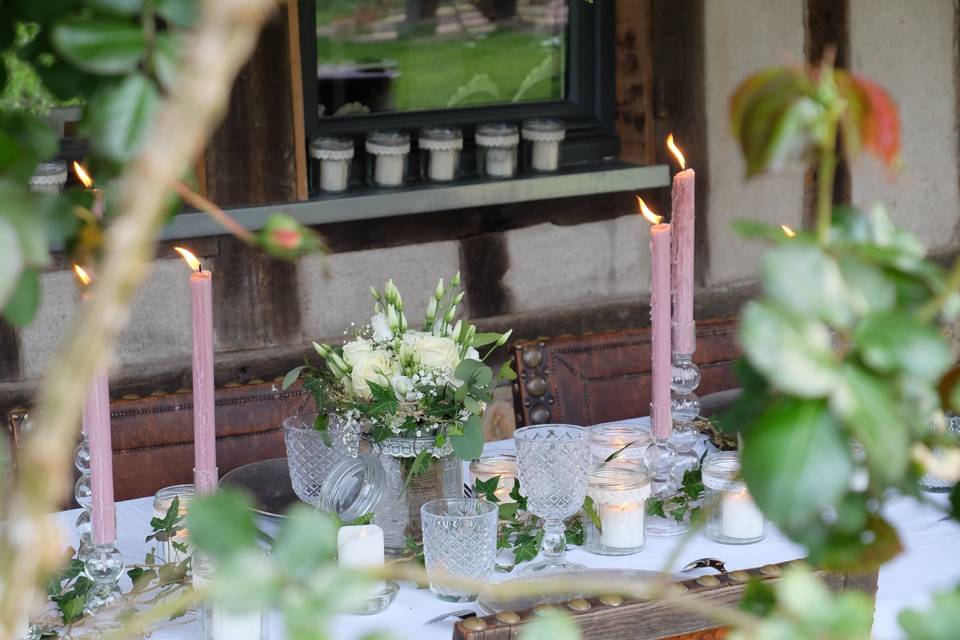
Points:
588	110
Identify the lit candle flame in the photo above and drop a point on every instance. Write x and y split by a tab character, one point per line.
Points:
788	231
649	215
675	150
189	257
82	274
82	174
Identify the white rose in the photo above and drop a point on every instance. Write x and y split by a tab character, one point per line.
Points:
356	350
375	367
472	354
435	352
381	328
402	386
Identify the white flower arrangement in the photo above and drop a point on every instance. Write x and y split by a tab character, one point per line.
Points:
395	381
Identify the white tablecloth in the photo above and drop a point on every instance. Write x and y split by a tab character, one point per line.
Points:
929	563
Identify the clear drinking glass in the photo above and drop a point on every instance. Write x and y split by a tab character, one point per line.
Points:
459	544
552	462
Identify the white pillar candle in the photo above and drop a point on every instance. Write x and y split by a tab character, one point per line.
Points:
334	175
622	525
224	625
361	547
739	516
389	171
501	162
442	162
545	156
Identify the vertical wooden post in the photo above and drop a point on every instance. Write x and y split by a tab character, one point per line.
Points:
635	82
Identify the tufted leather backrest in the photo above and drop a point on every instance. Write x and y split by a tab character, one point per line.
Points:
153	435
596	378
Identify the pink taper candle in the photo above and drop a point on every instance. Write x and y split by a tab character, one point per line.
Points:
660	424
682	223
205	475
96	426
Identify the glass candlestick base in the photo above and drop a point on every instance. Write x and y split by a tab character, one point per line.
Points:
667	466
684	403
103	566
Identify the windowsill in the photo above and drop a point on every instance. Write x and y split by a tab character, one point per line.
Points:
366	203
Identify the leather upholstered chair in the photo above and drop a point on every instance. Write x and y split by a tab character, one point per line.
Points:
597	378
153	435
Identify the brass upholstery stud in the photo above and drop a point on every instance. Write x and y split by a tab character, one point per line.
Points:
611	599
579	604
739	576
508	617
475	624
532	357
537	386
708	581
771	570
541	609
130	396
678	588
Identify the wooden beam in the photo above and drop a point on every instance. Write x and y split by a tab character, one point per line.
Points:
296	97
635	82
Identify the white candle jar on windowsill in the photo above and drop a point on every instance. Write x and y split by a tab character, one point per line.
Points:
332	157
732	517
440	153
542	140
497	150
619	493
387	153
49	177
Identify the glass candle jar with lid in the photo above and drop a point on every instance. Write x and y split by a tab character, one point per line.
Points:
440	153
332	158
542	138
619	492
387	153
497	145
624	442
502	465
732	517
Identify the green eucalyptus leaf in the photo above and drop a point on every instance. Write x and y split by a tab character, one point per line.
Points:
25	140
869	409
181	13
117	116
107	46
796	462
222	524
804	279
166	58
117	7
466	369
11	259
758	598
939	622
483	339
900	342
792	351
292	376
869	290
245	582
306	540
21	209
22	305
469	446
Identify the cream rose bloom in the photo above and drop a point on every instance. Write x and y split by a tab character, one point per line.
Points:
374	366
435	352
356	350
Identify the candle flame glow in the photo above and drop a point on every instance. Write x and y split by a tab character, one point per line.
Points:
84	277
675	150
363	533
189	257
82	174
649	215
790	233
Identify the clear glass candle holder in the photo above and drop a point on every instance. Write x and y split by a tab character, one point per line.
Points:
459	546
168	549
387	153
49	177
542	141
502	465
732	517
217	623
331	164
440	153
497	146
629	443
950	426
619	492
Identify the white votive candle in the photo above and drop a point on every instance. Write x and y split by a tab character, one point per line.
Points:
334	156
388	151
502	465
220	624
622	525
361	547
497	150
543	136
440	153
619	492
739	516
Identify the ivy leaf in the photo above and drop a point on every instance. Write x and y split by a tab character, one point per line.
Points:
384	400
870	412
487	488
792	351
22	305
590	509
222	524
292	376
758	598
506	371
796	462
102	45
898	341
469	446
306	540
118	115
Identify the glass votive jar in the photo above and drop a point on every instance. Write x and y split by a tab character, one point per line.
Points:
332	158
217	623
440	153
732	517
162	501
608	439
542	148
619	492
497	150
503	465
387	153
49	177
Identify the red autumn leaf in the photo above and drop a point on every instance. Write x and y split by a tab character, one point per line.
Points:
880	122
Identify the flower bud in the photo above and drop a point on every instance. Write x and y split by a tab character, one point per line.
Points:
438	293
502	340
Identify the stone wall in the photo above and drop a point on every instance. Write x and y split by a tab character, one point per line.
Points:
563	266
